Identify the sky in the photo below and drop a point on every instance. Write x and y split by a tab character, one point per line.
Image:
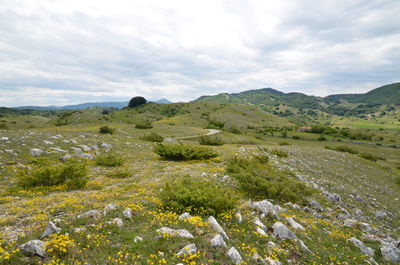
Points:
74	51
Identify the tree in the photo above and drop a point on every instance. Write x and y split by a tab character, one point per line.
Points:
136	101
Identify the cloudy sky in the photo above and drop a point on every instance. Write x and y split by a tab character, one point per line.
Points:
73	51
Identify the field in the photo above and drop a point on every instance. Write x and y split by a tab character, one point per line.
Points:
366	189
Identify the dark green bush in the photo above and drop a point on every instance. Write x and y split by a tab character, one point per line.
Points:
119	174
3	126
322	138
283	143
152	137
198	196
146	125
279	153
370	157
72	173
109	160
234	129
136	101
343	148
210	140
183	151
106	129
260	180
296	137
215	124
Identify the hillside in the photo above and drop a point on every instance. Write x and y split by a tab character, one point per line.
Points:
341	104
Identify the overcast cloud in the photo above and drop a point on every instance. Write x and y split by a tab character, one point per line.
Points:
73	51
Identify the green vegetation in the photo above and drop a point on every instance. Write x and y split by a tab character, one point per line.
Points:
210	140
3	126
136	101
152	137
370	157
186	194
260	180
183	152
106	130
343	148
146	125
283	143
279	153
72	174
119	174
109	160
215	124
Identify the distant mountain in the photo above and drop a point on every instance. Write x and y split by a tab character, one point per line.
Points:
342	104
267	97
111	104
388	94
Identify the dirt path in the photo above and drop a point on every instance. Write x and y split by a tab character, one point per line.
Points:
210	132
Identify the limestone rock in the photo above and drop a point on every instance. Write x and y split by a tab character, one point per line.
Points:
391	253
364	249
215	225
36	152
91	214
218	241
175	232
110	207
281	231
184	216
187	250
127	213
34	247
234	255
50	229
265	207
295	225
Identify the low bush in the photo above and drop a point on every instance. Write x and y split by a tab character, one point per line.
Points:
198	196
215	124
322	138
119	174
296	137
210	140
72	173
106	130
152	137
109	160
283	143
146	125
3	126
183	152
370	157
279	153
397	180
260	180
343	148
234	129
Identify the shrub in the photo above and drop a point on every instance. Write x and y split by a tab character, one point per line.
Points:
210	140
343	148
146	125
397	180
370	157
321	138
152	137
260	180
3	126
106	129
183	151
215	125
197	196
119	174
109	160
72	173
233	129
136	101
279	153
283	143
296	137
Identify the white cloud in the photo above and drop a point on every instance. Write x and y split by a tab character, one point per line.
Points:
65	51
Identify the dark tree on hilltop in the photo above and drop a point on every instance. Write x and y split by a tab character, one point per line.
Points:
136	101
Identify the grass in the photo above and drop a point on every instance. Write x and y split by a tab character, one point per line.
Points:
27	210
